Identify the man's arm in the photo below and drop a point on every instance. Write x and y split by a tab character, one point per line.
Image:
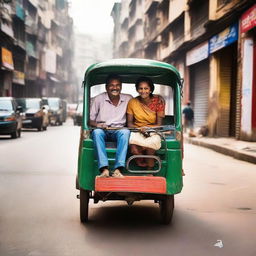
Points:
98	125
94	110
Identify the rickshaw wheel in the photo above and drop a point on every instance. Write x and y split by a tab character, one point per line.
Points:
84	205
166	209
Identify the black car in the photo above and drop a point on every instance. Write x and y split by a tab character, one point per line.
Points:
10	117
35	114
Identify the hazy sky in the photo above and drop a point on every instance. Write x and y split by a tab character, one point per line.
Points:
92	16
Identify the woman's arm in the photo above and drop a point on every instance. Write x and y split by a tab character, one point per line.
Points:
130	119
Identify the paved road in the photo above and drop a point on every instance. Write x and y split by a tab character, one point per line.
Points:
39	212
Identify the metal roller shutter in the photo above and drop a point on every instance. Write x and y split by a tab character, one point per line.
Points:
227	92
199	84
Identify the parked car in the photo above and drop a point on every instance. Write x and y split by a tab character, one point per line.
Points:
78	116
56	111
35	114
10	117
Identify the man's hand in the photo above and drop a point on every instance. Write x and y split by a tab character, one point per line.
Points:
101	125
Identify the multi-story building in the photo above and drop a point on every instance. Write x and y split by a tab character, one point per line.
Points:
129	28
19	49
6	45
36	49
89	49
212	43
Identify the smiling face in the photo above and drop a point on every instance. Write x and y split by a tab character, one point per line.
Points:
114	88
144	90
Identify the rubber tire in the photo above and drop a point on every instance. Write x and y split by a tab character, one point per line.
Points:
166	209
84	205
15	135
39	128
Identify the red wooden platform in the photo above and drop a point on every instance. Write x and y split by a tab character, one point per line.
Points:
141	184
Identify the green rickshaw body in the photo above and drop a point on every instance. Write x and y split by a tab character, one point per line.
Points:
171	152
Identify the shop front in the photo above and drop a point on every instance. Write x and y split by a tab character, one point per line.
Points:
198	73
223	92
248	91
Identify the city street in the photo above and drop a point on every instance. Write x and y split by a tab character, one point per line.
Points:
39	211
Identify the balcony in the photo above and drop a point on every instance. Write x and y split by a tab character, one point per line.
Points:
152	29
18	10
34	3
31	51
42	4
123	38
151	4
20	43
31	71
165	52
199	13
60	19
197	28
177	43
31	25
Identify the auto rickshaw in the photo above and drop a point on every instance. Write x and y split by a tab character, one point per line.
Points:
164	180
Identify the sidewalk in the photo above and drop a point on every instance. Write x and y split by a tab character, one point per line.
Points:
242	150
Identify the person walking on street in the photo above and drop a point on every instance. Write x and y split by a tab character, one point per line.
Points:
188	118
108	110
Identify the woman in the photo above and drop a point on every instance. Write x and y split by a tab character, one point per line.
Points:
146	110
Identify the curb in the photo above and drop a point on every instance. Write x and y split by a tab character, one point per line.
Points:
223	150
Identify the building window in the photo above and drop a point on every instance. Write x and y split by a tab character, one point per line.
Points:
199	14
178	29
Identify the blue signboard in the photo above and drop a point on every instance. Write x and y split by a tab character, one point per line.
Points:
223	39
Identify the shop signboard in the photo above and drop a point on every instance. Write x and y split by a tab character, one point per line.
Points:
248	19
7	61
223	39
18	77
197	54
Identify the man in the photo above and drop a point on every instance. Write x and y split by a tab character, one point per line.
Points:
108	109
188	117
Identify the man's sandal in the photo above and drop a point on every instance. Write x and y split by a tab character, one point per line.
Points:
104	174
117	174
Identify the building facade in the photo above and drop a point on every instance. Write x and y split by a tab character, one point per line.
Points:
36	49
212	44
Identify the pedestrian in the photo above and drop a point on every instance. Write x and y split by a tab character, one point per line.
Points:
188	118
108	110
